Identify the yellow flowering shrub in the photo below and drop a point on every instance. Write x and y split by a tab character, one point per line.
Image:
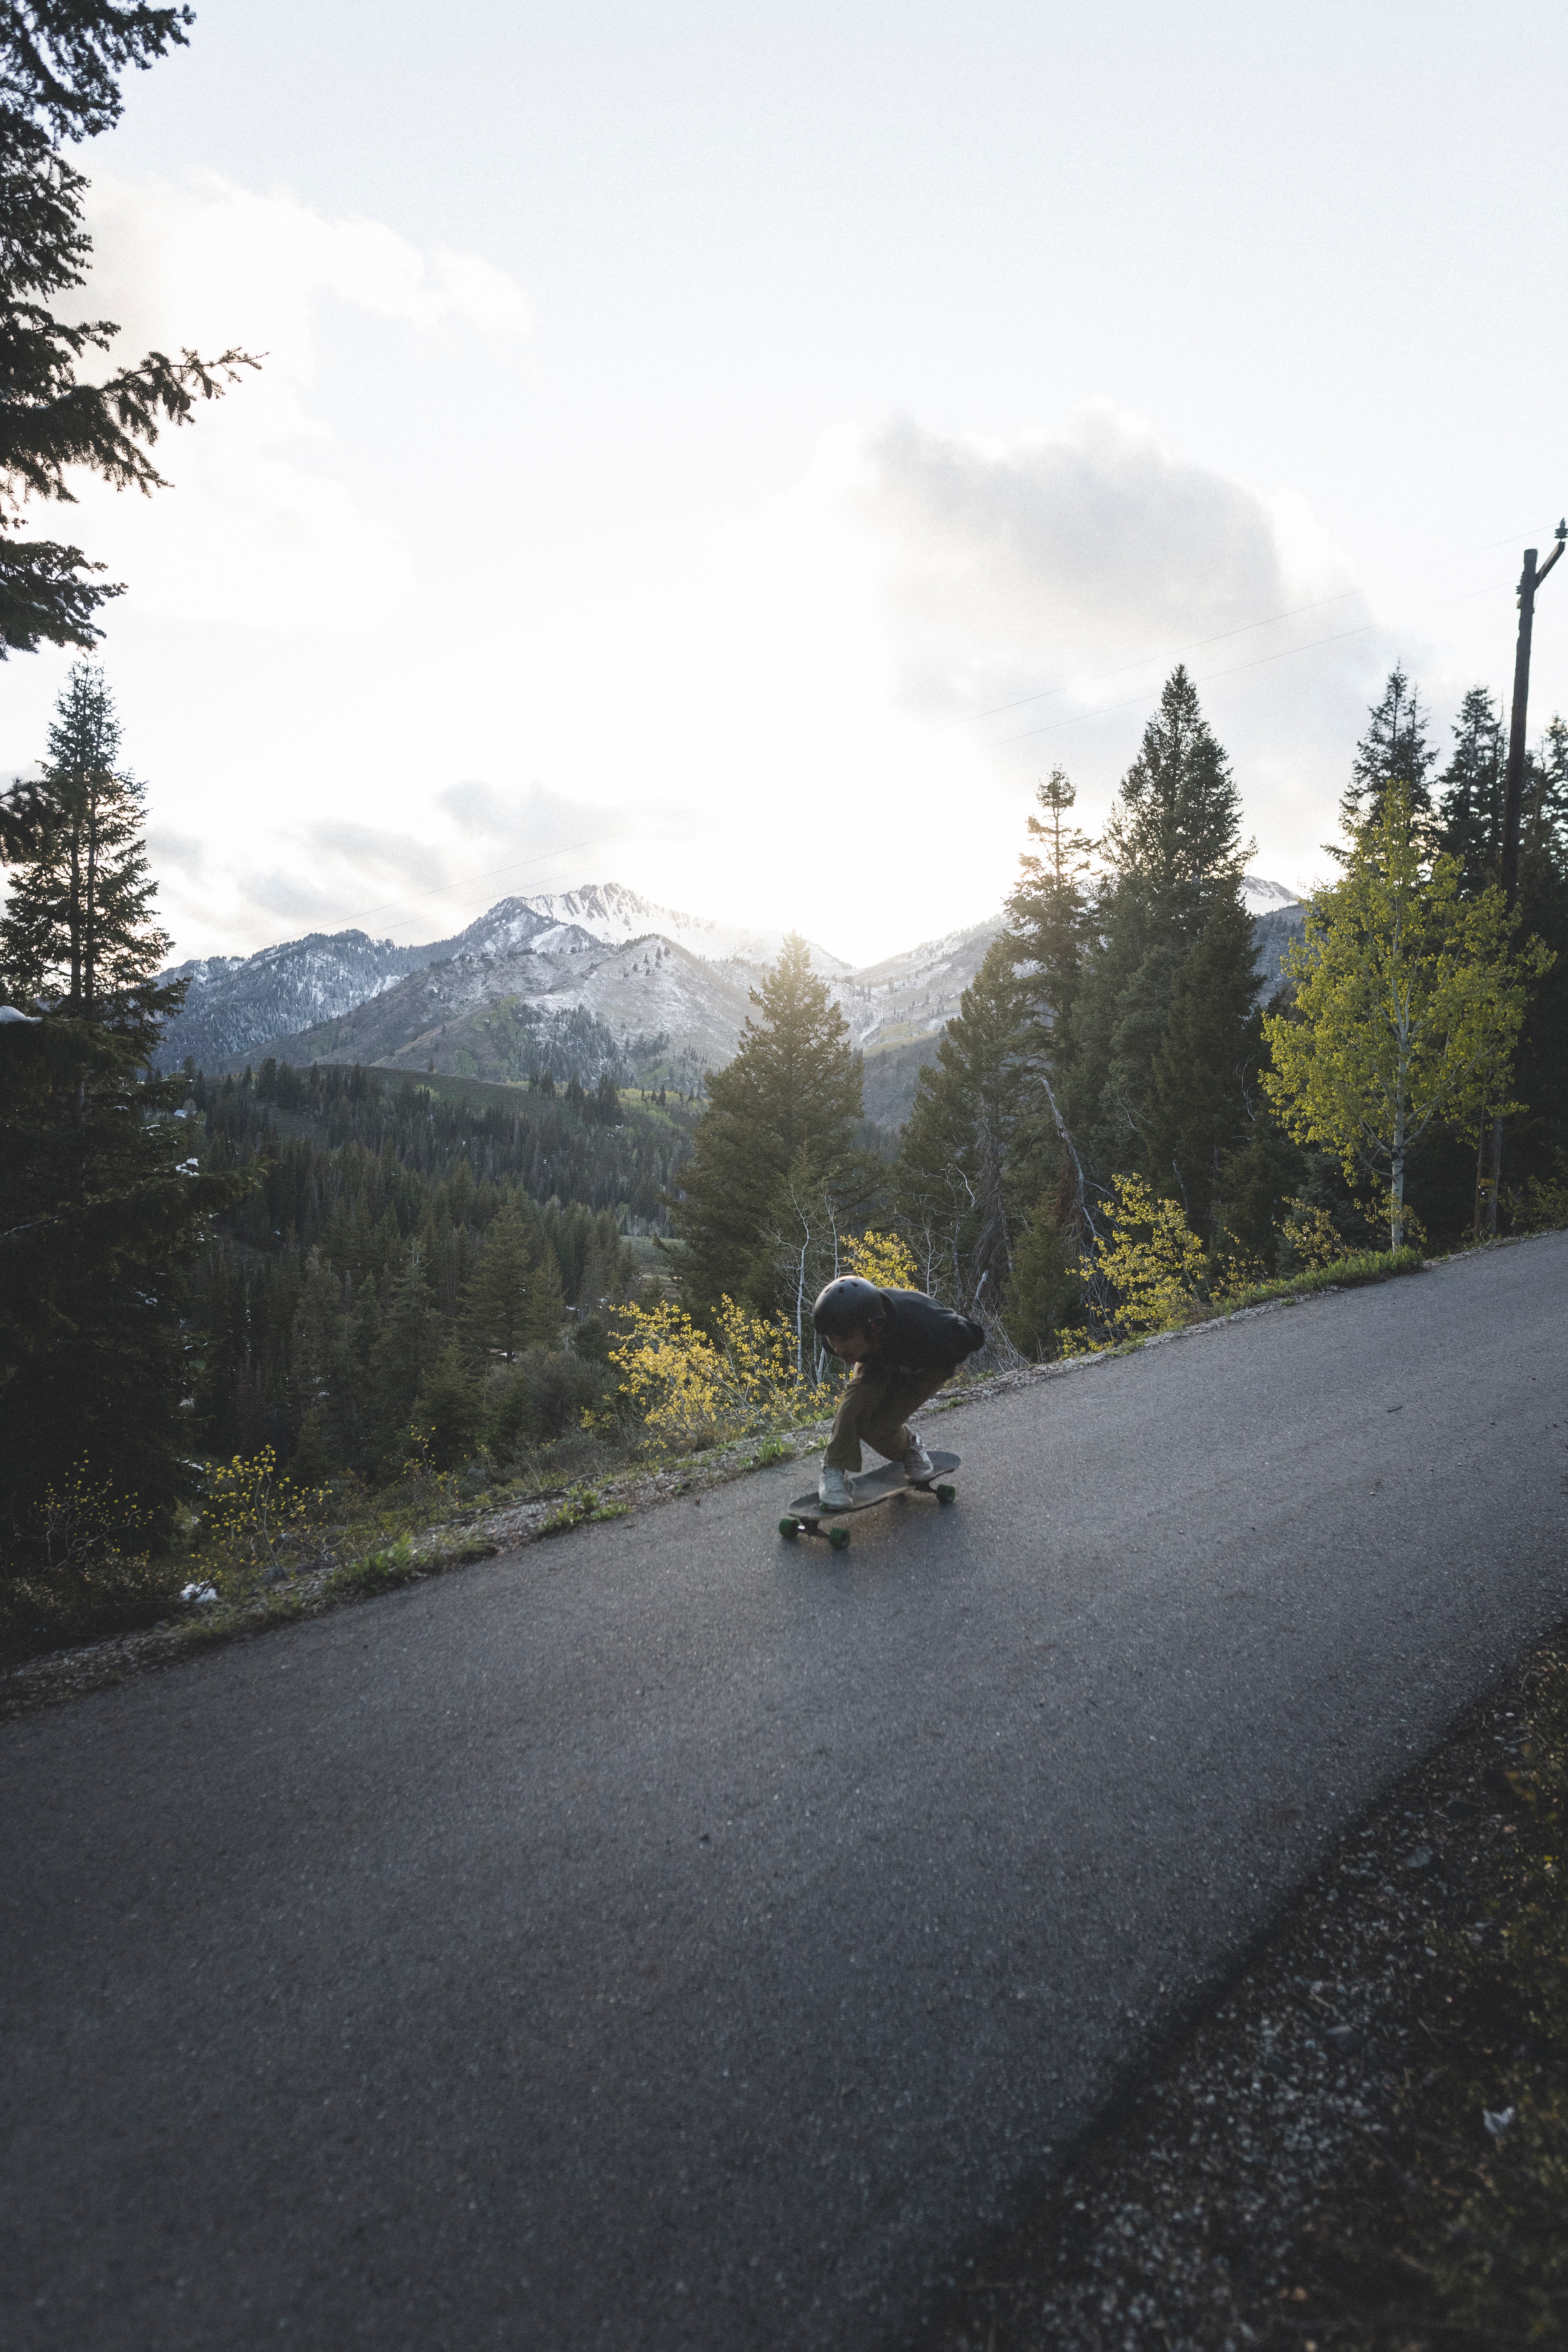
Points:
254	1513
1311	1234
1153	1261
881	1258
81	1522
691	1389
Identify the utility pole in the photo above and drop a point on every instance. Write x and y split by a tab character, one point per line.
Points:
1529	581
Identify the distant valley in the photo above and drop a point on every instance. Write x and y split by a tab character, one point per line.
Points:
579	983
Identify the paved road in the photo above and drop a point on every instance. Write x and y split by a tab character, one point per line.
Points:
671	1938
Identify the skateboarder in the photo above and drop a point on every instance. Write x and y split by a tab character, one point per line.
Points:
900	1347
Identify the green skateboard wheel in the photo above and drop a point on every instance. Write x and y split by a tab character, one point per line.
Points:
947	1494
838	1537
789	1528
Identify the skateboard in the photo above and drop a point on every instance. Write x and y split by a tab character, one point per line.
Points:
869	1487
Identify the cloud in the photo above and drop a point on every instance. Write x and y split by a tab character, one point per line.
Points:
1053	555
481	844
181	850
371	855
209	262
259	532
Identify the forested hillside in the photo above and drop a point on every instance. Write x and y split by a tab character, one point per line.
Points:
379	1215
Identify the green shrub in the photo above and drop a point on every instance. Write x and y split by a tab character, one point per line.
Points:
68	1577
545	1397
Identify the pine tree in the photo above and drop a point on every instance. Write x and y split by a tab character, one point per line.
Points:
1544	814
104	1205
495	1314
408	1343
959	1171
450	1409
101	1218
79	925
321	1358
60	64
1536	1144
1048	914
1175	858
1394	754
1047	1284
776	1139
546	1304
1175	835
1470	797
1199	1110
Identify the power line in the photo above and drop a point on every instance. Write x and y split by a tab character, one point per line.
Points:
1081	716
968	717
1046	693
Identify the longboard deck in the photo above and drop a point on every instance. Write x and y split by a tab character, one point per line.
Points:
867	1487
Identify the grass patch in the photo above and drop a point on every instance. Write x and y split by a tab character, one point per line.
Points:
771	1449
578	1506
378	1571
1340	1274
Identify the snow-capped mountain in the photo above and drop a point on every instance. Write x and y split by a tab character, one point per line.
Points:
913	995
234	1002
564	972
239	1005
1261	897
610	912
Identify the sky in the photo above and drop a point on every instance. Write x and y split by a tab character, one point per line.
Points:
738	451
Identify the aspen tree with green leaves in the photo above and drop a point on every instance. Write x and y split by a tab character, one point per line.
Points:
1409	999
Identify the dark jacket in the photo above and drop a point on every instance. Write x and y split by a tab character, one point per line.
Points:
919	1336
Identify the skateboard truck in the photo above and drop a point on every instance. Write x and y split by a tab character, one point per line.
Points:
805	1513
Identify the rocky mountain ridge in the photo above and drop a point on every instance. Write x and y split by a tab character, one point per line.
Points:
582	981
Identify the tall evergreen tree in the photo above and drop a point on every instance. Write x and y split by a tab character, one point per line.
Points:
777	1146
61	67
1048	914
102	1217
79	925
1206	1066
496	1310
407	1347
104	1205
1471	791
1175	854
1393	755
1544	814
963	1165
1536	1143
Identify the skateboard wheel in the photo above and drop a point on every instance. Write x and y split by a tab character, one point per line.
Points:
947	1494
789	1528
838	1537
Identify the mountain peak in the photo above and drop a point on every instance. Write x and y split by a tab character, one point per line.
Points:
610	912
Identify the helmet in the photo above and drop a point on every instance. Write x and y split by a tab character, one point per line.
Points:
848	1304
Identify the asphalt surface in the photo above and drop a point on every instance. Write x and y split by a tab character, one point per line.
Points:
669	1936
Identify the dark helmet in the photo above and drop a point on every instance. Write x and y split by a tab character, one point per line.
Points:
848	1304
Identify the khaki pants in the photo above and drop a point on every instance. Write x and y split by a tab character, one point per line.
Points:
873	1407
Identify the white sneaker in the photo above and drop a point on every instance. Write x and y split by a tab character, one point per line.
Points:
833	1490
918	1463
